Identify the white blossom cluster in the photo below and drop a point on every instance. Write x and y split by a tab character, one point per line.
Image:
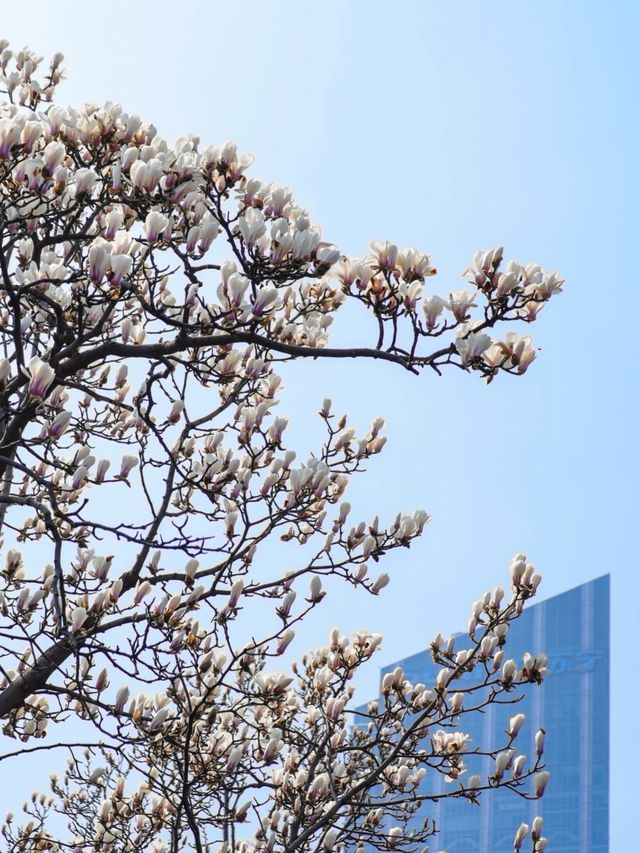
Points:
154	515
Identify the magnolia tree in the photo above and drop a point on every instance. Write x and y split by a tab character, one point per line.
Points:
148	293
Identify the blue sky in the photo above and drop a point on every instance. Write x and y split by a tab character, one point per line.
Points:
451	127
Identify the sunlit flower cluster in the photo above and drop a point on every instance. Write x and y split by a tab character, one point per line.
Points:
163	539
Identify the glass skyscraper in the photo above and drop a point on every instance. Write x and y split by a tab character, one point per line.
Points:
572	705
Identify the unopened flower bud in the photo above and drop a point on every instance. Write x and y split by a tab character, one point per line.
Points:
540	781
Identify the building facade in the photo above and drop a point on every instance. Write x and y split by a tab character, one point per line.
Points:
572	705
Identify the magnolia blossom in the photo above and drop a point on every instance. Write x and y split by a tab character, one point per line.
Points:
413	265
142	590
78	618
159	719
114	220
484	264
99	260
521	833
235	593
502	762
120	267
5	370
59	424
144	176
252	227
473	782
127	464
154	225
97	775
471	345
460	302
450	742
326	256
9	136
41	377
519	765
122	697
457	701
101	470
53	154
176	410
540	782
285	640
101	566
85	180
515	724
25	250
234	759
432	306
190	569
207	232
385	254
381	581
513	353
264	301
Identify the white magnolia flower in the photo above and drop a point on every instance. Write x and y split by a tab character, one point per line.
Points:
252	227
127	464
264	301
285	640
121	266
41	376
159	719
536	828
380	582
234	759
459	303
122	697
473	782
99	260
472	345
385	254
53	155
101	469
207	233
515	724
113	221
154	225
59	425
78	618
484	264
85	180
413	265
521	834
514	353
97	775
432	306
540	781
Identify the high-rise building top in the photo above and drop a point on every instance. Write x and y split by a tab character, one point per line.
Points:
572	705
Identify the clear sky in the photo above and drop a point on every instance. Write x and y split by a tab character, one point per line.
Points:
451	127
